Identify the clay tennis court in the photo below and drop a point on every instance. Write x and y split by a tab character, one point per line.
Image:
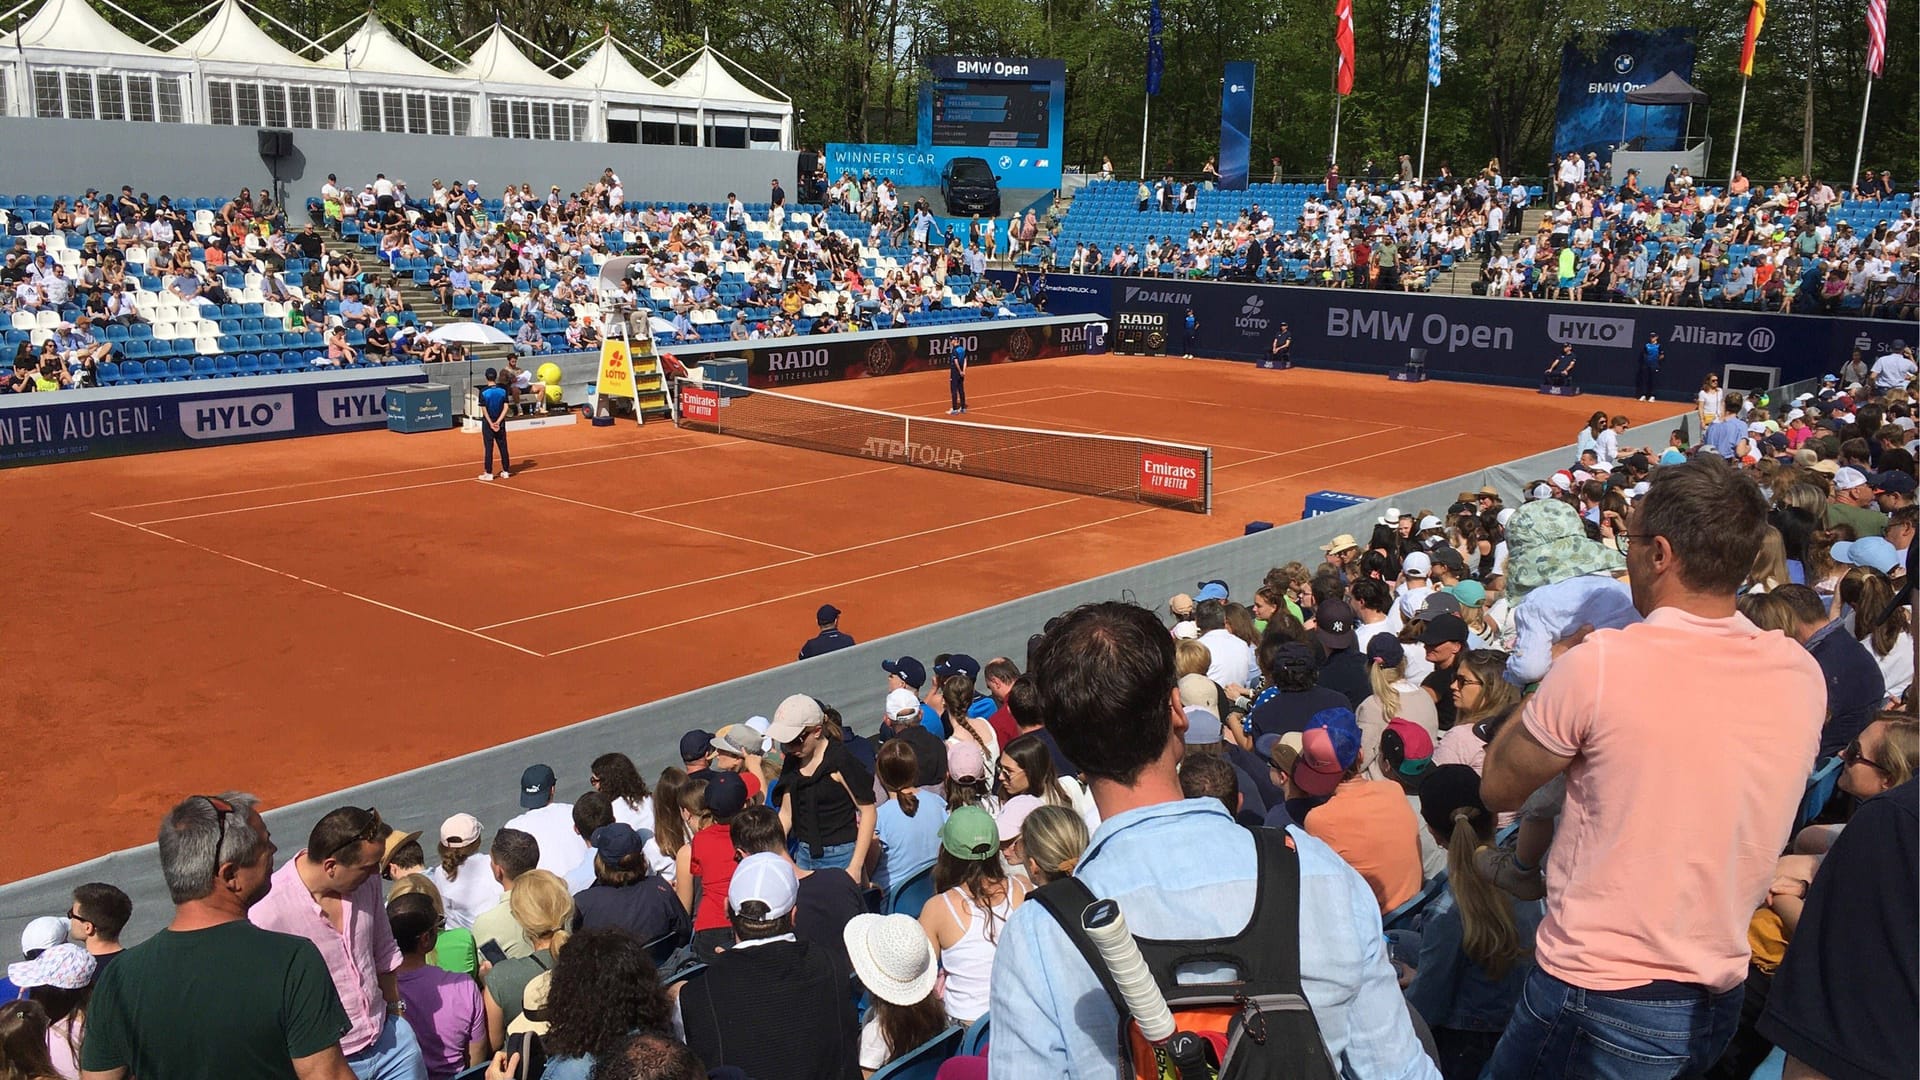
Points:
297	616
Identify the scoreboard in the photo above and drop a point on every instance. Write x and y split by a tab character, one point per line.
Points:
991	113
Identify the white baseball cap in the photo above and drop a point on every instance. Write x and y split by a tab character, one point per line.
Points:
1418	564
902	703
795	715
1848	478
43	933
768	878
460	830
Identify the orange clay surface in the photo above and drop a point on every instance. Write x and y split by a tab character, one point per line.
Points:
294	617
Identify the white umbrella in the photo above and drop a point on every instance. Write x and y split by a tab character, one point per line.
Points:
469	333
661	327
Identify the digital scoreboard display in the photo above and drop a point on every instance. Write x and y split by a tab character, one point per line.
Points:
991	113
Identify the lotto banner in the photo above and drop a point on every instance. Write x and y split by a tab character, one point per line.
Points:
1594	87
616	370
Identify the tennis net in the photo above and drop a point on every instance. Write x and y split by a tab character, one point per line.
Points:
1167	474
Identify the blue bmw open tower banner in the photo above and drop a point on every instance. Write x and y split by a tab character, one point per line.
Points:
1236	124
1594	88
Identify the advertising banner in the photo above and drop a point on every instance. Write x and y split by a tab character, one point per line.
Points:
1236	124
1491	340
1593	92
797	362
42	428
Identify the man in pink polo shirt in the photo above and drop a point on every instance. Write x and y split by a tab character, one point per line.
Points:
329	894
1686	742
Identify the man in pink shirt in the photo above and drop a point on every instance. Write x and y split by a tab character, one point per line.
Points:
329	894
1686	742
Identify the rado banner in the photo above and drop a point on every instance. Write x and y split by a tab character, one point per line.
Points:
1492	340
1140	333
828	358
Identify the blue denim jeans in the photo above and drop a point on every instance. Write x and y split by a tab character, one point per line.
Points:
395	1055
832	857
1559	1031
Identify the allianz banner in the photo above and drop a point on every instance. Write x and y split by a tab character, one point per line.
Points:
38	429
1499	341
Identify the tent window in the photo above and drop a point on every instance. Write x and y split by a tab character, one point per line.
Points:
246	104
79	95
140	99
300	100
462	116
393	110
220	103
497	119
580	119
113	102
416	114
542	121
326	110
274	99
172	110
369	110
522	122
439	114
47	100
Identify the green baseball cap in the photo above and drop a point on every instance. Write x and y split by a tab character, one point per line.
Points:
1470	593
970	834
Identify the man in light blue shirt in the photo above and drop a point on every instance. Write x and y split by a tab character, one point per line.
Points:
1724	434
1181	869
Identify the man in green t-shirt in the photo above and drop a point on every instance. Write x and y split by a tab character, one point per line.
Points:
213	997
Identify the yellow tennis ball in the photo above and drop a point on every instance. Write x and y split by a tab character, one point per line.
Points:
548	373
554	394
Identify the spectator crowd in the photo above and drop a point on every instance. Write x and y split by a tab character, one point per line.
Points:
1611	775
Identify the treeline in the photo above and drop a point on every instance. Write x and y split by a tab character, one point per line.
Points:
855	68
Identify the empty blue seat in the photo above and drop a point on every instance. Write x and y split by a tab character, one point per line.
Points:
203	368
249	363
179	368
227	365
109	373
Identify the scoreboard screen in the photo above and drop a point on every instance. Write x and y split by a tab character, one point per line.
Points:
991	113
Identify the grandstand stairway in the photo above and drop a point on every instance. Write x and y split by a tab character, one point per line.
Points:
424	302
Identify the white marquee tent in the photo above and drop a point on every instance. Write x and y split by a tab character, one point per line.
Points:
68	61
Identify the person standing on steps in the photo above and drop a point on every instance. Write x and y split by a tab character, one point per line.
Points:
957	375
1188	330
1650	356
493	426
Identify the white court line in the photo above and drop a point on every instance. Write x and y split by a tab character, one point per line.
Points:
1335	465
777	565
765	490
1264	454
431	483
634	514
1258	408
320	585
1005	393
381	475
852	581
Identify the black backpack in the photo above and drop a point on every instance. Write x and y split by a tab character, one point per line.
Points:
1262	1019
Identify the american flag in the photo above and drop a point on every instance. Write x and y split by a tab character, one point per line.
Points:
1876	35
1433	42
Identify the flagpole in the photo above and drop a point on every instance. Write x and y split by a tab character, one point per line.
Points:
1733	167
1146	112
1334	157
1421	173
1860	146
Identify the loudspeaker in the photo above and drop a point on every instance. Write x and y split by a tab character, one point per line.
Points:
275	144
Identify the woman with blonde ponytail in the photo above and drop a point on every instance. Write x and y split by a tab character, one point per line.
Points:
543	908
1476	945
1395	697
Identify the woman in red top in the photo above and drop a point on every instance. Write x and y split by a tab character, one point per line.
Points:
709	802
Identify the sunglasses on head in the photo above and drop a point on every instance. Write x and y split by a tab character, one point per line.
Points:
221	808
368	833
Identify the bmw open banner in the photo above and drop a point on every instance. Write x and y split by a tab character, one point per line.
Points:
1594	88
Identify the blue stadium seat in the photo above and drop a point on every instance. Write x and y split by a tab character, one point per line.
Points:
178	369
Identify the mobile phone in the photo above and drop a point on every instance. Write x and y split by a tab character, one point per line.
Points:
493	952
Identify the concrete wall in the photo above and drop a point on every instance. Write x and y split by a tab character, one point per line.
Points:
69	156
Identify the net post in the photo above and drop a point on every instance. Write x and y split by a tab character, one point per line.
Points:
906	435
1209	460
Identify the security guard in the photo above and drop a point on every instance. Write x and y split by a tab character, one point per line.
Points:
830	639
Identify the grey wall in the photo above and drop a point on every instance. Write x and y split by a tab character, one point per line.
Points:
69	156
485	783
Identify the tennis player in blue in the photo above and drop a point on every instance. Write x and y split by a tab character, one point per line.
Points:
493	425
957	376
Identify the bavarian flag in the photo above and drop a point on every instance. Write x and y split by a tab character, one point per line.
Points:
1756	17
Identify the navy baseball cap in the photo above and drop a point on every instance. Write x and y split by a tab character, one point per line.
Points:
616	842
536	786
827	614
958	664
911	671
1894	481
695	744
726	795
